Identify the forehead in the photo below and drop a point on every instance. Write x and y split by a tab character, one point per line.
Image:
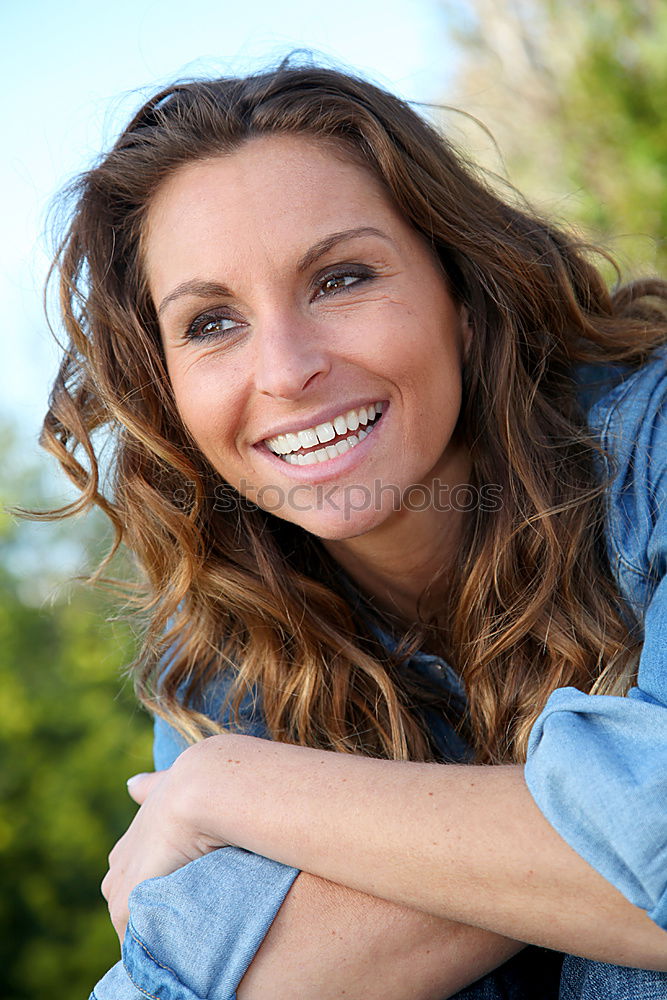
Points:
274	193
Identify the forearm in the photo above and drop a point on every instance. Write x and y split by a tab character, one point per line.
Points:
481	853
329	941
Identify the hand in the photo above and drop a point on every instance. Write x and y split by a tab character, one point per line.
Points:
160	839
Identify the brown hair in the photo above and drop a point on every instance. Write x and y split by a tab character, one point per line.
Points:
247	593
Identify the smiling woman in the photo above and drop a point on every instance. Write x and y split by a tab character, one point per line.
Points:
295	310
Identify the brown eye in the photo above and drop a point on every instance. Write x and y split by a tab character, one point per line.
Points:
342	281
211	325
339	281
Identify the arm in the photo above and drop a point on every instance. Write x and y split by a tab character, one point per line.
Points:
482	853
328	941
324	937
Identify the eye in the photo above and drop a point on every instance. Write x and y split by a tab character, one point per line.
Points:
335	282
338	282
210	326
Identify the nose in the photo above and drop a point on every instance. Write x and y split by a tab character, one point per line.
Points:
289	356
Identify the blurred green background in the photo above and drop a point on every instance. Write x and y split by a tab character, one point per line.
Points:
575	97
70	735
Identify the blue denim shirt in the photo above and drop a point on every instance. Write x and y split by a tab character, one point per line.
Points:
597	765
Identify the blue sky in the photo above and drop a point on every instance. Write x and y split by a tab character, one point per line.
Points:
73	73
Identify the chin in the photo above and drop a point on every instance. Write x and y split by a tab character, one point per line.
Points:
342	527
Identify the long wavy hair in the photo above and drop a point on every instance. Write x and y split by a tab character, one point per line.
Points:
533	605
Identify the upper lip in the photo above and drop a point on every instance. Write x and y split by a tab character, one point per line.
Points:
301	424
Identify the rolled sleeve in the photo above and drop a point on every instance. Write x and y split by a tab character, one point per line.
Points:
597	769
193	934
117	985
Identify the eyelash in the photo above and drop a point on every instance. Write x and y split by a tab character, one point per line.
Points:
362	274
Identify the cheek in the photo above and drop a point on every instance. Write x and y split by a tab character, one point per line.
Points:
208	407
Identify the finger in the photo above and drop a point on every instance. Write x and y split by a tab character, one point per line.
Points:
119	922
140	785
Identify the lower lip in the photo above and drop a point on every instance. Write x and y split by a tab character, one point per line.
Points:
333	467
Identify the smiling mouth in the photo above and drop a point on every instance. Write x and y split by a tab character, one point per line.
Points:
327	440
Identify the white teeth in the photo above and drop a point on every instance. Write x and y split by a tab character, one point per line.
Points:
325	432
307	438
331	451
285	444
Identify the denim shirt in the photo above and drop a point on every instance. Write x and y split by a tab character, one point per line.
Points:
596	767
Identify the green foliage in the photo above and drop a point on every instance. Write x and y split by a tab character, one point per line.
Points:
70	735
576	95
614	139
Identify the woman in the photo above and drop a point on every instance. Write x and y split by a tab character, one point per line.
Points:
360	410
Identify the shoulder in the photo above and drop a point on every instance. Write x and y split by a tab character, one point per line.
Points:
630	421
216	701
634	405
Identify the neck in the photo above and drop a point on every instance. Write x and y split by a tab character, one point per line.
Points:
395	563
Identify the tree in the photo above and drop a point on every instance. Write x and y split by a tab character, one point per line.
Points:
70	735
575	95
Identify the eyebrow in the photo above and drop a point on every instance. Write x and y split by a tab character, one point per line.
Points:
213	289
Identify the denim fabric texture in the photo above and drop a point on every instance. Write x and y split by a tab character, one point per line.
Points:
583	980
597	769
